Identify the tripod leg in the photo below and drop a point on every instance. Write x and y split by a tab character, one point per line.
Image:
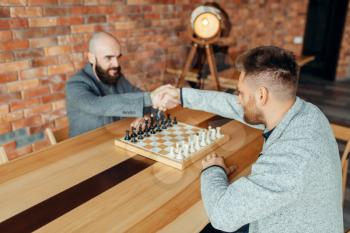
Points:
187	65
212	65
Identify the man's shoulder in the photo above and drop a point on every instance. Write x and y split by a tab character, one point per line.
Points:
80	76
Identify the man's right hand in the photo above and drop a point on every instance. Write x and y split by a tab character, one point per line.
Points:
165	97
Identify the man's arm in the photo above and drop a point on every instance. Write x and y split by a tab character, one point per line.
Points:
276	181
219	103
83	98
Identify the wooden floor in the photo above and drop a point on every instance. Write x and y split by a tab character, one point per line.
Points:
333	98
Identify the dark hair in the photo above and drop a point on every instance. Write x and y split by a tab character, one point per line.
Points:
278	62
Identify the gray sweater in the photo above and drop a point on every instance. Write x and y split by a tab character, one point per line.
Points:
294	186
92	104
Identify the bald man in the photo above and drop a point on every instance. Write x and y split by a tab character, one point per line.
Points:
99	93
295	184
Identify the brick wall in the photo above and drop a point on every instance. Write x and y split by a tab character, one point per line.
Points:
43	42
343	69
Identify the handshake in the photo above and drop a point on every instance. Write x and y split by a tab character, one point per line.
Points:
165	97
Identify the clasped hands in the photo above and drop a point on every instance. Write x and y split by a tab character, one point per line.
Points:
165	97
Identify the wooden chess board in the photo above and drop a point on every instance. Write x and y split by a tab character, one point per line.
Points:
157	146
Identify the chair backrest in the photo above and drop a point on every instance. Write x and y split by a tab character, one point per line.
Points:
343	133
57	135
3	156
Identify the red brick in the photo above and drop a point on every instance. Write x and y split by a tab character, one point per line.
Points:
61	122
72	39
44	108
6	57
28	53
42	2
35	92
83	28
40	128
96	19
16	44
56	50
9	146
38	32
42	42
98	10
19	152
22	85
55	11
33	73
60	69
27	122
13	23
26	11
22	104
43	22
4	108
13	2
71	20
44	61
42	144
53	97
14	66
124	25
8	77
5	127
4	12
12	116
5	36
9	98
58	104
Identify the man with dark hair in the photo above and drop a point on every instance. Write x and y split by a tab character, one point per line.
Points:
295	184
99	94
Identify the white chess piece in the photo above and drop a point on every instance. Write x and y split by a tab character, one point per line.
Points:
179	155
202	136
196	143
177	148
207	137
218	133
172	153
186	150
192	149
213	134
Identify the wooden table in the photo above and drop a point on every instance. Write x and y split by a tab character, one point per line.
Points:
86	184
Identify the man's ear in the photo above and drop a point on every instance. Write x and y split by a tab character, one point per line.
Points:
92	58
262	96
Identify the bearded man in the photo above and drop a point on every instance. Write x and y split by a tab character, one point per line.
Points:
99	93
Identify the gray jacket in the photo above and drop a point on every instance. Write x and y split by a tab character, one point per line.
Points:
92	104
294	186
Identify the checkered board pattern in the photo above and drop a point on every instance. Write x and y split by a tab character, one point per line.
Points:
158	145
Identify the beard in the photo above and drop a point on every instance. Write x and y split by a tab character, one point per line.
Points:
106	77
251	114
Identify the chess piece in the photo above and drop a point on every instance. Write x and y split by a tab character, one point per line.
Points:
207	137
174	121
140	137
158	129
133	139
169	124
172	153
164	123
218	133
140	130
213	134
177	148
202	139
192	149
133	133
127	136
186	150
196	143
180	156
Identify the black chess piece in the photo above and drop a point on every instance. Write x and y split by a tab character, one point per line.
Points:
174	121
133	134
140	130
127	136
133	139
146	126
158	129
153	130
164	123
140	137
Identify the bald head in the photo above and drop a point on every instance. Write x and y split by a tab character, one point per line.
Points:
104	54
103	42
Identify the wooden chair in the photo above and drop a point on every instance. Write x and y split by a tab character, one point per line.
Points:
3	156
57	135
343	133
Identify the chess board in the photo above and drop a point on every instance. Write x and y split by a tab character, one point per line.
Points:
157	146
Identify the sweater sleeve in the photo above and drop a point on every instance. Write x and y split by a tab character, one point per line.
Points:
276	181
80	95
